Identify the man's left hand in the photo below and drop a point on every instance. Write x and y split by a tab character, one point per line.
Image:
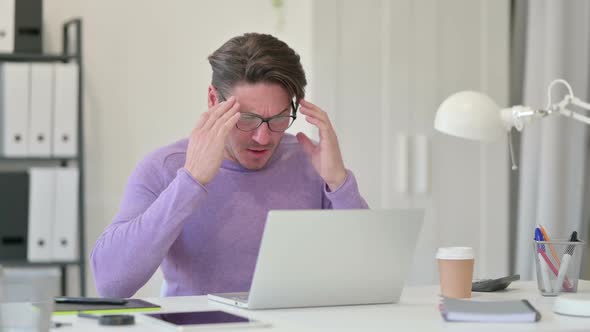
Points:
325	156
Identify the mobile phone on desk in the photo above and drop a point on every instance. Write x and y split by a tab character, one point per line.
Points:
492	285
90	300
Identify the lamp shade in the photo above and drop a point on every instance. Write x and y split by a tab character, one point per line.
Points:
472	115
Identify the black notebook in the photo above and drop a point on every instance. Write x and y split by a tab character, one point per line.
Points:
132	305
514	311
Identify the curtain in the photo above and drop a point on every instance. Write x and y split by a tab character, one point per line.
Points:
553	176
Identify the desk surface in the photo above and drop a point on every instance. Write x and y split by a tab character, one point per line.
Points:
417	310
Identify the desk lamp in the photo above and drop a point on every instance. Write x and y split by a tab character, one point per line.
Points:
474	115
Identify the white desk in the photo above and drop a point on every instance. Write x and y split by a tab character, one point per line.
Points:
417	311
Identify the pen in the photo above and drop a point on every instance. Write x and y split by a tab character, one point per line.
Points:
542	264
545	274
539	237
569	252
90	300
541	250
85	315
549	263
546	237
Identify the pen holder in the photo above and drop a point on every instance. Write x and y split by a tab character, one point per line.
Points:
558	263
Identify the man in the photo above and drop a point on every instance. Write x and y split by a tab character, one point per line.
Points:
197	207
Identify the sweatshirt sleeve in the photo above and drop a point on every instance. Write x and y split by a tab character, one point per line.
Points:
347	196
150	219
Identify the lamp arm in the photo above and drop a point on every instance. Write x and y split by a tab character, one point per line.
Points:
517	116
570	94
576	101
569	99
574	115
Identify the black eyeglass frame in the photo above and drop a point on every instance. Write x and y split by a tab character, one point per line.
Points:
294	106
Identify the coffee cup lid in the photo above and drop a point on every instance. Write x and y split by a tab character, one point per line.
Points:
455	253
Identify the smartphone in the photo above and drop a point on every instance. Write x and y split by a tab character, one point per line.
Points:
199	320
492	285
90	300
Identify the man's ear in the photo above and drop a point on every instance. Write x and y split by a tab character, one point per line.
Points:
212	94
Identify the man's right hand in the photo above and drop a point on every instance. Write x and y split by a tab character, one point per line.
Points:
207	141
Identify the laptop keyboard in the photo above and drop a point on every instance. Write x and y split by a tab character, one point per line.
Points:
242	297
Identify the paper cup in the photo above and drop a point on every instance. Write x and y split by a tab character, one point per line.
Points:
455	266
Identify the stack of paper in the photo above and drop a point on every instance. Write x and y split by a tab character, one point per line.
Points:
491	311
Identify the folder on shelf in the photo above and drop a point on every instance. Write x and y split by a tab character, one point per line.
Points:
41	214
65	230
14	109
65	120
28	26
7	10
14	196
41	110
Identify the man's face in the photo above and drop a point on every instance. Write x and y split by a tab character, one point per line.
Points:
253	149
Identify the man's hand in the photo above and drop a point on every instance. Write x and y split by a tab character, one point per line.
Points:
207	141
325	157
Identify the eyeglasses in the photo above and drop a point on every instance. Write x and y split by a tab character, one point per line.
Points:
278	123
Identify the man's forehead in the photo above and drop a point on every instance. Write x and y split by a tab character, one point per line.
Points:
264	109
265	99
260	90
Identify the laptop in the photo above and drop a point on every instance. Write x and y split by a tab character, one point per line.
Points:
311	258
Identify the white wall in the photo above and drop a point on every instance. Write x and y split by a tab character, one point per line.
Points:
146	78
386	68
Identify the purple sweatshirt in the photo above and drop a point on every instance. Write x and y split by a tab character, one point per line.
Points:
205	238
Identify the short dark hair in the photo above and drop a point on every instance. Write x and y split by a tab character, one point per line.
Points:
254	58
